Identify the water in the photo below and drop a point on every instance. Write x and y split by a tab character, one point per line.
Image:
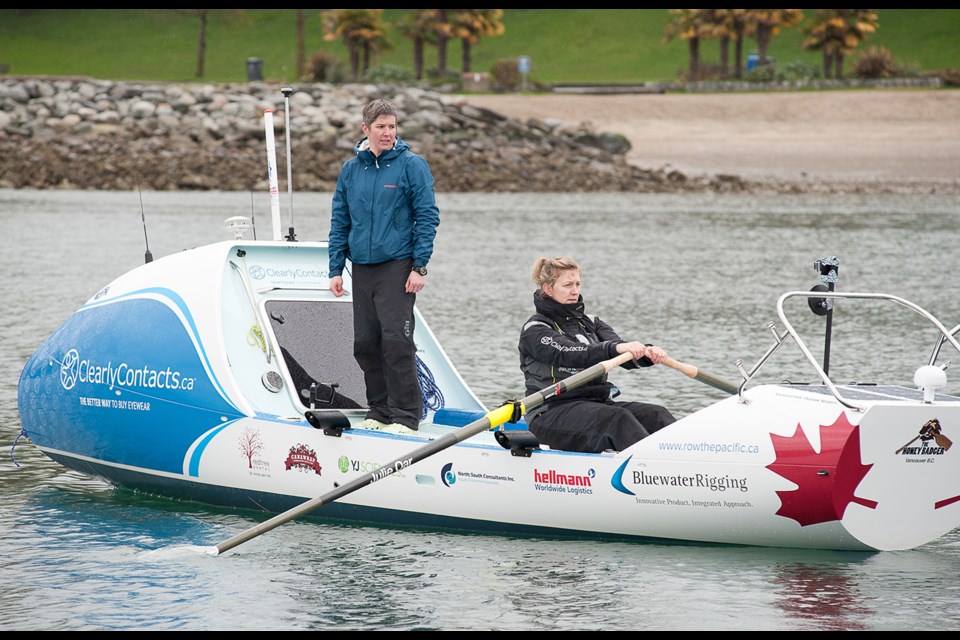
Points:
697	274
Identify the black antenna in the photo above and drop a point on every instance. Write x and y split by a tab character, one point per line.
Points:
253	217
147	257
286	91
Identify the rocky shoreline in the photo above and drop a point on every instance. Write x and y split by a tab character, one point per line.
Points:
82	133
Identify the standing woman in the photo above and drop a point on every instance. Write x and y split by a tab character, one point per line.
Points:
384	219
559	340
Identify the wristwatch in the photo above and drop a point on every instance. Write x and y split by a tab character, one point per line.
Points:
421	270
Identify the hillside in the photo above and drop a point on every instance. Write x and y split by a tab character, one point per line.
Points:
564	45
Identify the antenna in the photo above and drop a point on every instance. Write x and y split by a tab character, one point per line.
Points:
291	236
253	217
147	257
827	268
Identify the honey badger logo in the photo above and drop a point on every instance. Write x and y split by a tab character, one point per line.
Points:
930	430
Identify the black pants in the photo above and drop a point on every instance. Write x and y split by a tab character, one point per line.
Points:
383	343
594	426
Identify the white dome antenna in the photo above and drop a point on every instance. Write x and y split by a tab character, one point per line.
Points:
928	379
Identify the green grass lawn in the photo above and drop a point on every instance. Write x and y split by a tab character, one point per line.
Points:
564	45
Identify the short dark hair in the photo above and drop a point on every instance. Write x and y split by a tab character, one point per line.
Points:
377	108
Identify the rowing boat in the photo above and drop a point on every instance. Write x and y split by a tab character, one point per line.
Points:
224	375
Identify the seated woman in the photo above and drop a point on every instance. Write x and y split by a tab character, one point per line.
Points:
559	340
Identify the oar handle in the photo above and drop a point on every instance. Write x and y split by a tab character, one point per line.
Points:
688	370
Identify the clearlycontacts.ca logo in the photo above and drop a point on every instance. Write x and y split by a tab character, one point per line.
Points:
259	272
74	369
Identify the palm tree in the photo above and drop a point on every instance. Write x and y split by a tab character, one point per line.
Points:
362	31
767	23
727	25
837	33
418	25
443	30
374	40
471	25
688	25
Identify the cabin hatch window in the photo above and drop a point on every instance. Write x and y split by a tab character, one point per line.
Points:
316	342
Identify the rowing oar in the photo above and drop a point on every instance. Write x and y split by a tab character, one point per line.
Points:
491	420
692	371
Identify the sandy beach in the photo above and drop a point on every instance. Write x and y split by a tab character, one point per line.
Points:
892	136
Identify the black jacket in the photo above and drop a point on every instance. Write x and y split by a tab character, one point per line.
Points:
561	340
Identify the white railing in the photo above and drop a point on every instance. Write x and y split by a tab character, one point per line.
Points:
945	336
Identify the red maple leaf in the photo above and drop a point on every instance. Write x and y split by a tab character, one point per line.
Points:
826	481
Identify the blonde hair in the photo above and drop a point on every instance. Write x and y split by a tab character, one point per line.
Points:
548	270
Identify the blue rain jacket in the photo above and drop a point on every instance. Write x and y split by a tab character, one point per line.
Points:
383	209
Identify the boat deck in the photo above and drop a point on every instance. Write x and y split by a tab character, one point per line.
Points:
873	392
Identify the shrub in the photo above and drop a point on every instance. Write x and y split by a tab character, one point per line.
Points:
434	79
764	73
798	72
324	67
707	71
909	71
390	74
950	77
876	62
505	75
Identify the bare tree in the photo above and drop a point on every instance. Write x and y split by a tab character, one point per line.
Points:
203	14
250	445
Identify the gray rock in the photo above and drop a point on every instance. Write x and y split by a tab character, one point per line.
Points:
210	136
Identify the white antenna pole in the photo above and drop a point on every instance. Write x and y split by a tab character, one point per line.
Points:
291	236
272	173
